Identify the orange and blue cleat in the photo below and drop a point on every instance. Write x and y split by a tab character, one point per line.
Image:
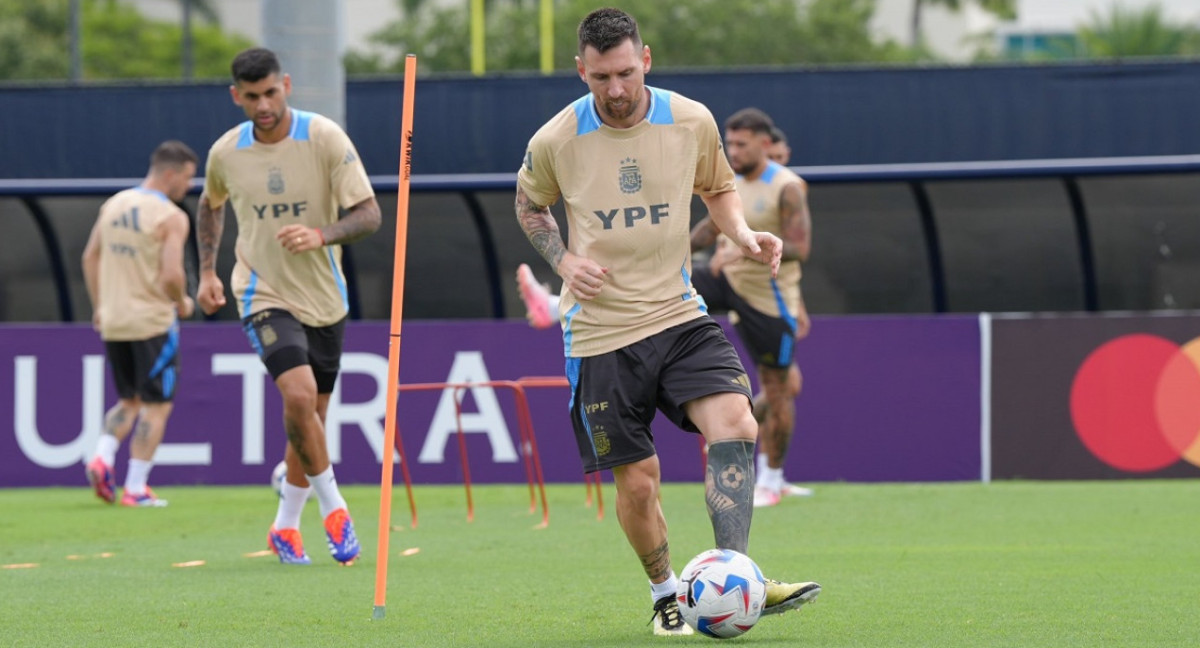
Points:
100	475
146	499
286	544
339	533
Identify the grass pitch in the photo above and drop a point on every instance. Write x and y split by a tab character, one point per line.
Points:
1007	564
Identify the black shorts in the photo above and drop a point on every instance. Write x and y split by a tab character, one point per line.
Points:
283	343
146	369
771	341
614	395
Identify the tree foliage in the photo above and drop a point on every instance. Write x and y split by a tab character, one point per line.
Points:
698	33
1123	32
117	42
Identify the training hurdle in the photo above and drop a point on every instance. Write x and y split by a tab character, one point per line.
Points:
530	456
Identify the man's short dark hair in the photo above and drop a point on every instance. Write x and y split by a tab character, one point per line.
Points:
751	119
777	135
254	64
172	153
607	28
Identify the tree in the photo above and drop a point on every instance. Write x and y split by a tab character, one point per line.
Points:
117	43
681	34
1124	32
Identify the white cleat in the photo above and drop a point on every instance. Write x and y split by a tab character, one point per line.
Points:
764	496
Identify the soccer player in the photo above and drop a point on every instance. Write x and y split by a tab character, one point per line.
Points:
133	268
626	159
286	171
767	311
779	152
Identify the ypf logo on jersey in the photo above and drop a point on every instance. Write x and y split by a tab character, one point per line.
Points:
630	177
1134	402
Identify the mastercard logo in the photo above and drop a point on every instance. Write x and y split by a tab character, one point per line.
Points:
1135	402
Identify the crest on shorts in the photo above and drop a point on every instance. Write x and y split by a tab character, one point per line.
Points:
275	180
631	176
600	441
268	335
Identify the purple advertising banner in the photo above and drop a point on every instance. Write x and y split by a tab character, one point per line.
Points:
885	399
1096	396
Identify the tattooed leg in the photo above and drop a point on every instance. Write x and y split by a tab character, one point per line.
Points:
119	419
729	492
641	516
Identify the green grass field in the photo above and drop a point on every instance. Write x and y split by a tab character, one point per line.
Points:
1007	564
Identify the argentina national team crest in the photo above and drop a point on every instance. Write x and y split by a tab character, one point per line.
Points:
275	180
631	176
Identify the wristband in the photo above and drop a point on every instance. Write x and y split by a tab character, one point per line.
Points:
320	234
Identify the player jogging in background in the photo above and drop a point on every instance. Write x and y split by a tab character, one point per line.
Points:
133	268
286	171
626	159
766	310
779	151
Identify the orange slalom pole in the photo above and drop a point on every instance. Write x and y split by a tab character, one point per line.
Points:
393	392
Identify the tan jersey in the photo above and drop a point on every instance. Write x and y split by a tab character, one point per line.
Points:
627	194
779	296
299	180
133	306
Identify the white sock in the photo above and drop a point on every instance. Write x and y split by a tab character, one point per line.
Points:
328	495
669	586
106	448
772	478
291	505
761	467
139	472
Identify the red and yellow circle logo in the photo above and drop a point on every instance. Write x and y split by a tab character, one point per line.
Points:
1135	402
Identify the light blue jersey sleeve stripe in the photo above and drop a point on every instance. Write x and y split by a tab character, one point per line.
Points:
301	120
337	276
687	293
248	296
660	107
769	174
782	306
152	192
246	135
568	334
586	119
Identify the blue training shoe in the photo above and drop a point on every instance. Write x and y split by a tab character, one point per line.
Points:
286	544
339	533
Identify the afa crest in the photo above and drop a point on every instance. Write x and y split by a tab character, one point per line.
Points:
601	442
269	336
275	180
631	176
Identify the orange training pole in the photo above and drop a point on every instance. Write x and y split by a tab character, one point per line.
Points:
389	427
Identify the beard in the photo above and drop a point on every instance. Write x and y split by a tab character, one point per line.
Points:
622	111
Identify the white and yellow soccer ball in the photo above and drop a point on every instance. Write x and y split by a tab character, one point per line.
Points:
721	593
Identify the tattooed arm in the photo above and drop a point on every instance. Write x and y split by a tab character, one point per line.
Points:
359	222
210	223
704	234
796	222
582	276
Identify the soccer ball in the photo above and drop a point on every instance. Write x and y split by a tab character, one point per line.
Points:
278	476
721	593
